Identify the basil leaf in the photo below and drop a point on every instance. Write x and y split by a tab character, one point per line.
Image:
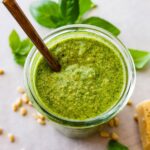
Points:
20	59
14	41
141	58
44	12
25	47
85	5
69	10
114	145
20	49
103	24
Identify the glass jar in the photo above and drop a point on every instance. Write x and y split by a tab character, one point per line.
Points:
74	128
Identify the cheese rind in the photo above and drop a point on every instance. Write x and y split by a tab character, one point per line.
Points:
143	112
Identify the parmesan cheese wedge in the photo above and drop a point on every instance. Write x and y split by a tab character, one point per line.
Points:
143	113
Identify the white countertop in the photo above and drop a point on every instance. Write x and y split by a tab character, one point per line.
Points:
132	17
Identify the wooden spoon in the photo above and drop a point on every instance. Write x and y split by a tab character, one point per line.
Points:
20	17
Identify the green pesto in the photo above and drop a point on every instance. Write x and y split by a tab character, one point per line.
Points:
91	80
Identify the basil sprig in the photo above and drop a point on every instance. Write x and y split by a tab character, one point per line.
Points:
20	48
52	15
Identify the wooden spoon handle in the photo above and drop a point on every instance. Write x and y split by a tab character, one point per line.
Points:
20	17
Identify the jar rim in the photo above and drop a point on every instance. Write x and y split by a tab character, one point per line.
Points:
102	117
